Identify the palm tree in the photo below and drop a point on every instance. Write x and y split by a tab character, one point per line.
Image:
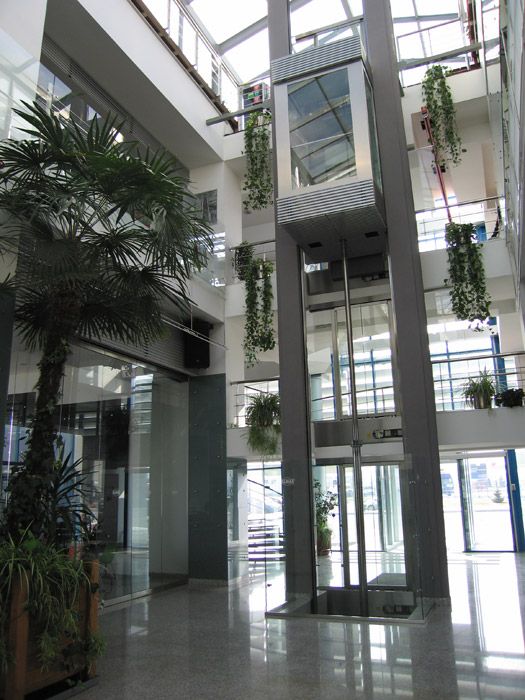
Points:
105	238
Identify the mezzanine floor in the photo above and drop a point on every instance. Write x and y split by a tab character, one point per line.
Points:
216	643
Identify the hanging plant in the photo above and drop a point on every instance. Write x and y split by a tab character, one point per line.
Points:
251	320
258	182
468	294
441	111
259	335
266	334
256	275
263	418
243	258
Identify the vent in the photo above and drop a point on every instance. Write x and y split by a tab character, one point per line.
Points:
167	352
317	58
319	203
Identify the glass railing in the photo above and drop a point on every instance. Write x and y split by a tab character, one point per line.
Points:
197	49
505	371
263	250
215	271
484	214
241	393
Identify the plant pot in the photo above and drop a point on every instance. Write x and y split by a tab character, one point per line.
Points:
25	674
510	398
481	401
324	542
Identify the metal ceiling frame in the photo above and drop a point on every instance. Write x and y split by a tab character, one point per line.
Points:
261	24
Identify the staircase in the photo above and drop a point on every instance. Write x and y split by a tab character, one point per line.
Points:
265	542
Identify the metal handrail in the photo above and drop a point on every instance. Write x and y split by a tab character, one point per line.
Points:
488	356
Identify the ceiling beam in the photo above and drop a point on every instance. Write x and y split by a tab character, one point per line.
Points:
253	29
427	18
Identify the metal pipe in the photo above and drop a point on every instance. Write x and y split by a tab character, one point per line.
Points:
343	516
336	369
428	127
356	450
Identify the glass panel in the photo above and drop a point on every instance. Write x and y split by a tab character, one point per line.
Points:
321	133
321	365
159	9
118	418
385	560
329	552
174	28
189	41
452	507
372	357
372	130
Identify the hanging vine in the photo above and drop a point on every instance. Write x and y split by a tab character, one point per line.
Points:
438	101
468	294
258	182
256	274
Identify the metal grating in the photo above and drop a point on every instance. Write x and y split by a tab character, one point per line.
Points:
321	219
166	352
322	202
315	59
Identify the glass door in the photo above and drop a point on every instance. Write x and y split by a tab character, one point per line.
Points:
487	518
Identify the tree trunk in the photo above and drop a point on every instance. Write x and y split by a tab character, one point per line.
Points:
29	484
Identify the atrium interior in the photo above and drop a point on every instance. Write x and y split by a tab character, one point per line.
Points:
375	546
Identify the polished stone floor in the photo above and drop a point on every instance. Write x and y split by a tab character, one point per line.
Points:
214	644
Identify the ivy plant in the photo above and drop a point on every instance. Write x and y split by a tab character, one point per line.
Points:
468	294
438	100
259	335
258	182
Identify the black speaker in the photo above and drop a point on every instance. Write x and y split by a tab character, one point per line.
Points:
197	350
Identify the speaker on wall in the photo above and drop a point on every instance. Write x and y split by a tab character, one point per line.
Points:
197	350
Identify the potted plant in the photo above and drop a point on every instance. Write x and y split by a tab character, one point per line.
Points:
325	502
509	398
105	238
478	391
263	418
49	592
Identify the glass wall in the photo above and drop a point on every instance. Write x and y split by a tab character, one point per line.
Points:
329	364
321	130
127	423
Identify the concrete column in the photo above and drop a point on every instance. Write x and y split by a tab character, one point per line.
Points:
411	339
207	506
294	391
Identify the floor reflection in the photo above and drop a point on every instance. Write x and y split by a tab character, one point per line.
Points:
216	643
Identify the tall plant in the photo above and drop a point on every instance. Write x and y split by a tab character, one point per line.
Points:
437	97
104	237
258	181
468	293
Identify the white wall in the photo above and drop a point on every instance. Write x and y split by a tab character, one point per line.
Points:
113	43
